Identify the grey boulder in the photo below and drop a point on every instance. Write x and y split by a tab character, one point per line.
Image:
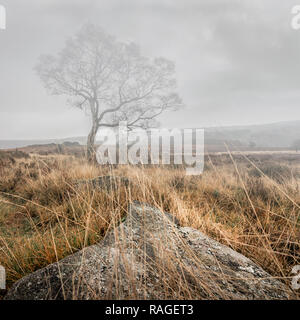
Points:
106	183
150	257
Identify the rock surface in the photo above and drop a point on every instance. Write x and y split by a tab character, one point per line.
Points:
150	257
107	183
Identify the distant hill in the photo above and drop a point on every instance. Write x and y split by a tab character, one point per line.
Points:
274	135
12	144
269	136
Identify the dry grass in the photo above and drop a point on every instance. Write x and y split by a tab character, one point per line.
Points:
44	217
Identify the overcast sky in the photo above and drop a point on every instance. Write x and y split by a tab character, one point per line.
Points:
238	62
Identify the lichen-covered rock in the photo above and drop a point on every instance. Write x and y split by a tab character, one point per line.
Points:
2	281
150	257
107	183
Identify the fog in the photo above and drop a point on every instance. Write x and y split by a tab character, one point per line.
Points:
237	62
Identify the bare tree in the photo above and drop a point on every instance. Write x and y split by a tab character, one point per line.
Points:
110	80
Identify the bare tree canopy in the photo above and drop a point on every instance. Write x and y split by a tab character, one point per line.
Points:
111	80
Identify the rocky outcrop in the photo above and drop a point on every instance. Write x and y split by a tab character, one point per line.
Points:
107	183
150	257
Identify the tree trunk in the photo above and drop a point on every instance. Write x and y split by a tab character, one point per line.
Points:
91	151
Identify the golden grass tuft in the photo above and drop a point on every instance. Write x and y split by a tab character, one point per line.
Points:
44	216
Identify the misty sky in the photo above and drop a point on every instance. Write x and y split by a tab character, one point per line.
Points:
238	62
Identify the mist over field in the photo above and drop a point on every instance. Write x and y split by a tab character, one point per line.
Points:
236	62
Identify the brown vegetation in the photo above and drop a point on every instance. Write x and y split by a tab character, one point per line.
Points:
237	201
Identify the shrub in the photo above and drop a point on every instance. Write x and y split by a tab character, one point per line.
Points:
277	172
